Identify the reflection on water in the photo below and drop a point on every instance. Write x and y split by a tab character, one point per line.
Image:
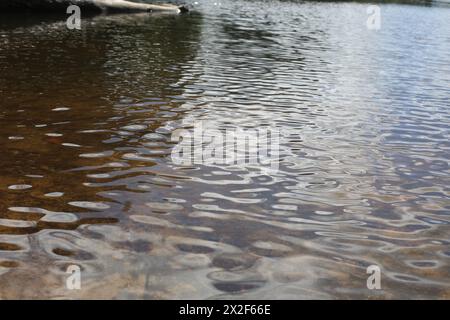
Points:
86	176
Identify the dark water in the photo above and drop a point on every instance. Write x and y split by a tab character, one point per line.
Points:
363	176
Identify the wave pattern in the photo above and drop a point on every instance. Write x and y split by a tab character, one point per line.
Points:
87	176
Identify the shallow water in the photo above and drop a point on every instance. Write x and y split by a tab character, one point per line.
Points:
87	177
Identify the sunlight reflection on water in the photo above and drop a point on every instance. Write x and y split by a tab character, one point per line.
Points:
86	176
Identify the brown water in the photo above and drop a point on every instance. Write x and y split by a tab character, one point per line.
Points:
364	153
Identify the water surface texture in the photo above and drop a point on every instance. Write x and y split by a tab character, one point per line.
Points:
86	176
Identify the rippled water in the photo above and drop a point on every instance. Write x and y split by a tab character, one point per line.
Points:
86	176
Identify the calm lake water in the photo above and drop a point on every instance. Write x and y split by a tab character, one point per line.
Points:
87	177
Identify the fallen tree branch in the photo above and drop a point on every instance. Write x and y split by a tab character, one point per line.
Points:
123	5
91	5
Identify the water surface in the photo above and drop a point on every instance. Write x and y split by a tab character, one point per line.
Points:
86	176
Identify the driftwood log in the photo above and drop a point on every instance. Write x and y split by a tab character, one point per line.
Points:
91	5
